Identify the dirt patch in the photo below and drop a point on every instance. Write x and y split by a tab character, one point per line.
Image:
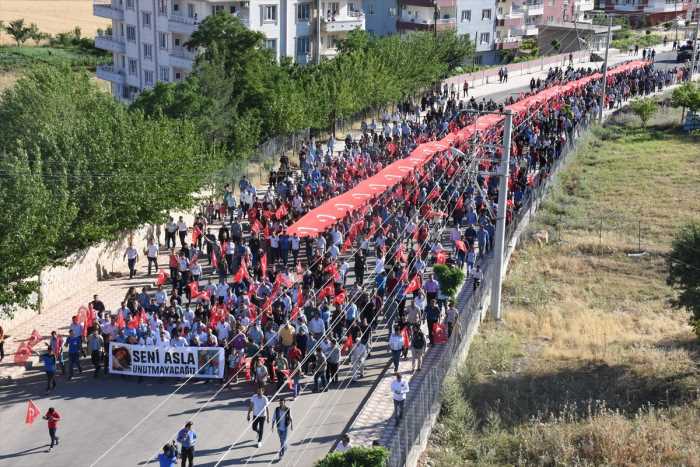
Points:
52	16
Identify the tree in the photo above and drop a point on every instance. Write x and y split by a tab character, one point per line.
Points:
356	457
644	109
684	271
19	32
78	168
686	96
36	35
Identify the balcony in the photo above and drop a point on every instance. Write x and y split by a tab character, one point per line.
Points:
429	3
181	24
535	9
305	59
180	57
354	21
585	5
111	74
422	24
531	30
111	43
105	9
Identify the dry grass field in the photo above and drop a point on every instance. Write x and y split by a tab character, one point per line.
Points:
592	366
52	16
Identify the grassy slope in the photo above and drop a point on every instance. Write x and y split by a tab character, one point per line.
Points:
592	366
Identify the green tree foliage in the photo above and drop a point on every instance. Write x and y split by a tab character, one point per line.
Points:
356	457
687	96
449	277
644	109
238	94
19	31
79	168
684	271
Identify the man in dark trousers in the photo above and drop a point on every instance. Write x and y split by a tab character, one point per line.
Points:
282	420
187	439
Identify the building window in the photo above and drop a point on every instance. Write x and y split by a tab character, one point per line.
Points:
130	4
163	7
269	13
333	9
271	44
164	74
191	13
163	40
392	11
303	45
178	76
147	51
146	19
486	14
303	12
133	66
484	38
214	9
466	15
148	77
370	9
131	33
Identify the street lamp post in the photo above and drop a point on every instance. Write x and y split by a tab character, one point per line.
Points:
436	16
605	70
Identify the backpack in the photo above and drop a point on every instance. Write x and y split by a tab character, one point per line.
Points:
418	340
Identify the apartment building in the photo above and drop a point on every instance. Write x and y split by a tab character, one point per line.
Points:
477	20
651	12
148	36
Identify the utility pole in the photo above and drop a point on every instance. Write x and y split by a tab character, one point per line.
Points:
693	62
605	70
501	219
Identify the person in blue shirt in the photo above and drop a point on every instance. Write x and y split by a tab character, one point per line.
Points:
74	347
168	458
50	368
187	439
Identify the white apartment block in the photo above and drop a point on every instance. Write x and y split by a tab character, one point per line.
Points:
149	36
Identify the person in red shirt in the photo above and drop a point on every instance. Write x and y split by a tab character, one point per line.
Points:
53	417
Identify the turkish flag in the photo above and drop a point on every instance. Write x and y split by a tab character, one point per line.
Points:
256	226
263	264
434	194
241	274
194	289
441	257
347	345
340	298
32	412
196	233
404	335
460	203
414	285
461	246
163	277
214	260
347	244
121	324
327	291
300	297
295	313
281	212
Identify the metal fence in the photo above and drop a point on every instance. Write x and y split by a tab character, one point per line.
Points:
423	401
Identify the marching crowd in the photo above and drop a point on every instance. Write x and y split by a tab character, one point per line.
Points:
287	308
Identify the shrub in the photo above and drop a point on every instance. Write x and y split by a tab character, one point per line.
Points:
449	277
356	457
